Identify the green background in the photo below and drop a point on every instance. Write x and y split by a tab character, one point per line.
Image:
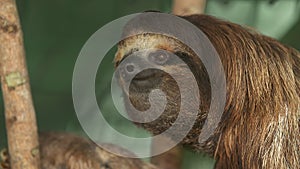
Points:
56	30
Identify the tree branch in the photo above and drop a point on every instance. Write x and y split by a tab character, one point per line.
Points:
19	111
188	7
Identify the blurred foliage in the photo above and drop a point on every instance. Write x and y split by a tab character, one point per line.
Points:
293	36
56	30
273	19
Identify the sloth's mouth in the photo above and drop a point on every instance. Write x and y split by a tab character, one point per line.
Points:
147	79
147	75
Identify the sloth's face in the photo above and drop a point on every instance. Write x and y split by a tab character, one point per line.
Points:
161	54
141	59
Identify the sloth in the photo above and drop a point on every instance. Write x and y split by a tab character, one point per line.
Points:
260	122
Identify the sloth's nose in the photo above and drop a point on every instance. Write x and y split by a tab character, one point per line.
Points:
139	73
134	71
129	70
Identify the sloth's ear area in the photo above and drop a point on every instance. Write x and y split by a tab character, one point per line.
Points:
152	10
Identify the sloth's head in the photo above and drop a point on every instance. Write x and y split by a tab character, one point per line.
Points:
168	58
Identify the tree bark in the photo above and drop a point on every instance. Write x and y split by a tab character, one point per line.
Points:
188	7
19	111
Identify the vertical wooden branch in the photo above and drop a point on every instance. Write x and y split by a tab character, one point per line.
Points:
19	111
188	7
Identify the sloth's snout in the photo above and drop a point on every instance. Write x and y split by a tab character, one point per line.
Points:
129	69
137	72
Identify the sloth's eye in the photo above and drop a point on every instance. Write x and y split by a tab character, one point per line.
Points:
159	57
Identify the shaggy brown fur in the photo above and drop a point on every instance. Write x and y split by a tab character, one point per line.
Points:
68	151
260	122
63	150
